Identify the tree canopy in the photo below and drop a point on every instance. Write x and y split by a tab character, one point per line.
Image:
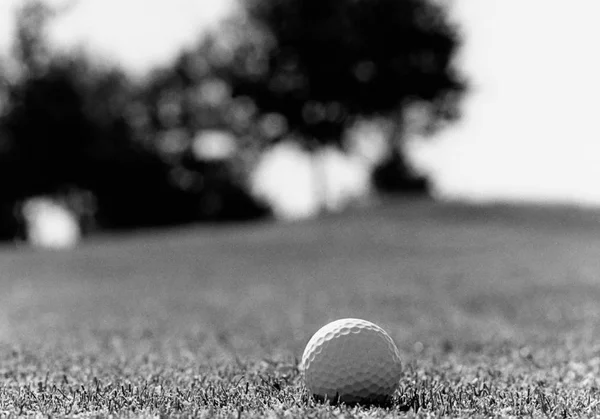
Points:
331	61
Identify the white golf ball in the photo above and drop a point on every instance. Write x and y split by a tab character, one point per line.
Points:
351	361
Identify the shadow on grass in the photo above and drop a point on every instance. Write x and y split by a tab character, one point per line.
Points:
386	402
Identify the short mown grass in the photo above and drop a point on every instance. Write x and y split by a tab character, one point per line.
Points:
495	312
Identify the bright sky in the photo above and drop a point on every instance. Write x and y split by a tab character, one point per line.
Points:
531	131
519	138
135	33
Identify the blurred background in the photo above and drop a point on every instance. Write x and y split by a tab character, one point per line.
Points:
121	115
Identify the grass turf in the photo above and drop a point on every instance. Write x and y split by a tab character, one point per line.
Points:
495	312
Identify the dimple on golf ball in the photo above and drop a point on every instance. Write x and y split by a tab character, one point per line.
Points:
351	361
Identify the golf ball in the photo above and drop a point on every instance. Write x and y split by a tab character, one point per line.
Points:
351	361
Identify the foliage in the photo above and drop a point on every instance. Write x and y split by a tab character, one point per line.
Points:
329	62
304	71
70	122
394	175
287	68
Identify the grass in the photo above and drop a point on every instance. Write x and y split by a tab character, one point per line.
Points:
495	312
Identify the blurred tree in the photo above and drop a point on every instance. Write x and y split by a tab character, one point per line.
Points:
30	49
335	60
66	127
322	64
186	114
29	61
394	174
71	127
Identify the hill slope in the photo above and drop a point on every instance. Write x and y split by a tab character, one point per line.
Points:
494	310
